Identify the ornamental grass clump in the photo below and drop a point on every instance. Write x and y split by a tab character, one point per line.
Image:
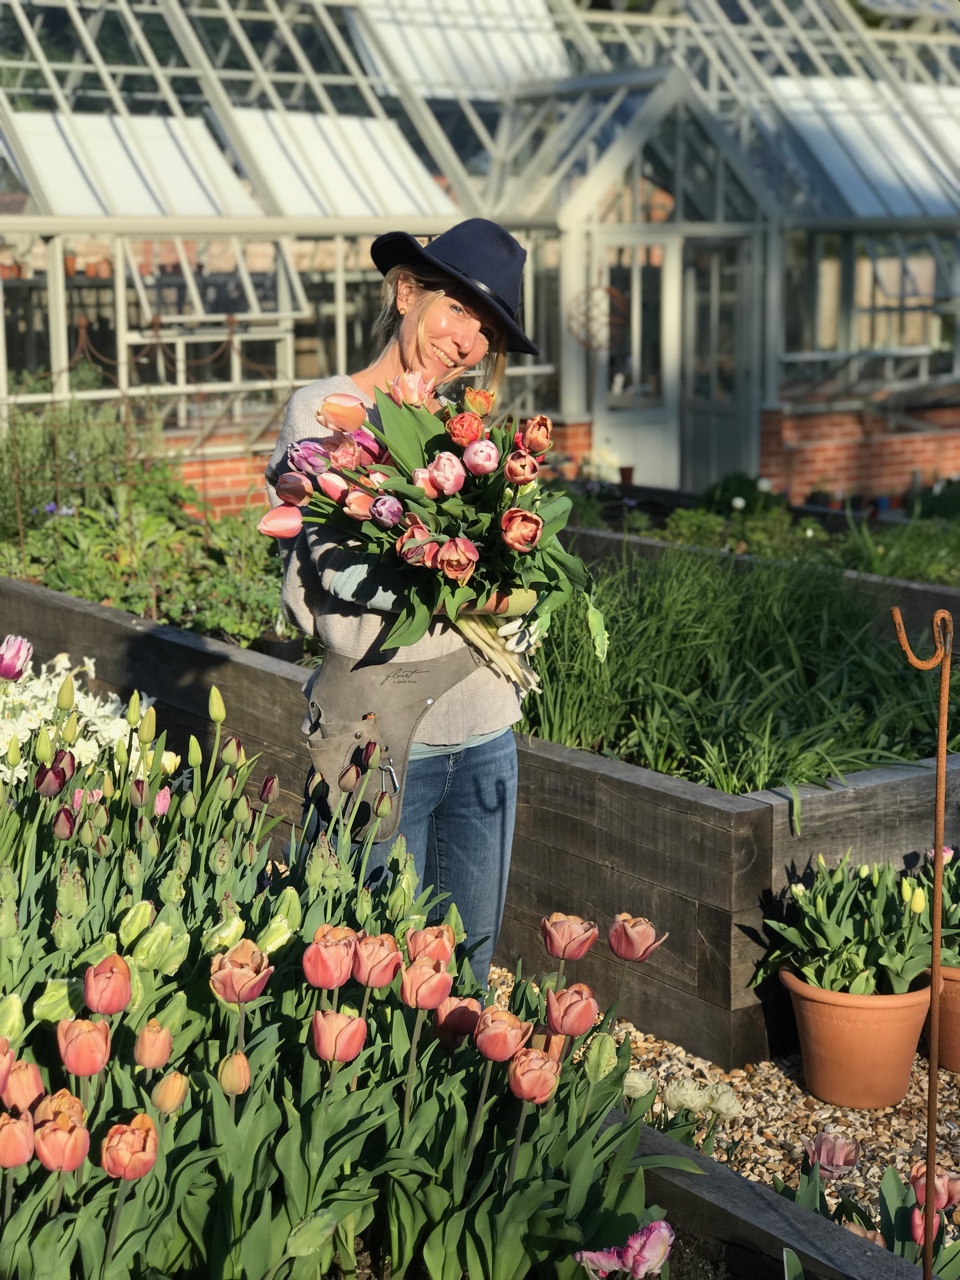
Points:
212	1065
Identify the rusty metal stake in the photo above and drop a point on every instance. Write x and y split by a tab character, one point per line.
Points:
942	626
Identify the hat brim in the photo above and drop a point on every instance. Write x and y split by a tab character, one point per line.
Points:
400	249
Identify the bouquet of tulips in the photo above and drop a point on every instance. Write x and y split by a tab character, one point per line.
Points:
454	497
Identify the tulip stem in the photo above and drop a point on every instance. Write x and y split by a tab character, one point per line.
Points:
57	1196
414	1040
623	978
8	1196
558	985
122	1190
366	1001
516	1144
242	1011
478	1115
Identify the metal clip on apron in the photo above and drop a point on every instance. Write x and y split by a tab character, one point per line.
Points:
353	705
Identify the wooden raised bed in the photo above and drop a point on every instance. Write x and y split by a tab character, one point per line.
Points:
593	837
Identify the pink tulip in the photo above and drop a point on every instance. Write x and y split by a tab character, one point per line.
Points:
418	546
875	1237
409	388
376	960
481	457
447	473
342	412
836	1156
436	942
643	1255
336	1036
917	1225
573	1011
499	1033
567	937
84	1046
633	938
282	522
106	986
532	1076
15	653
16	1140
241	974
455	1019
421	478
56	1104
161	802
425	984
550	1043
328	960
294	488
24	1086
946	1188
7	1060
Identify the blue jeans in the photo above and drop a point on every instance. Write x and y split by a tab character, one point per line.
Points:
457	819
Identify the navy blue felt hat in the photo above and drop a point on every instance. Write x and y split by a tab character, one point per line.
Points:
479	255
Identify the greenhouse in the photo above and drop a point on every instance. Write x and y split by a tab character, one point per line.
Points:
742	217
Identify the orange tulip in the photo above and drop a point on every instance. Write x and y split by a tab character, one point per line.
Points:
500	1033
572	1011
106	986
234	1074
130	1150
16	1140
532	1076
328	961
455	1019
376	960
62	1144
154	1046
241	974
24	1086
336	1036
170	1093
567	937
425	984
633	937
84	1046
433	943
59	1104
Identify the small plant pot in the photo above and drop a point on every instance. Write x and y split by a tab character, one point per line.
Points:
949	1055
290	650
857	1050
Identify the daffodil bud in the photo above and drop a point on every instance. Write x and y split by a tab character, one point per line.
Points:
61	998
601	1057
71	730
65	695
43	748
918	901
225	934
13	752
135	921
148	727
12	1023
215	708
151	945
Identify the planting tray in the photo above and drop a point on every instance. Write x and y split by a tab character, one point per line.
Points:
594	836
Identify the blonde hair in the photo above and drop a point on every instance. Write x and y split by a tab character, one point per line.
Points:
386	328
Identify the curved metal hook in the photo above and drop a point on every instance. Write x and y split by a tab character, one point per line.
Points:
942	627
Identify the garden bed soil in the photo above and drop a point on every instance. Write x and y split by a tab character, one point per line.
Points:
594	836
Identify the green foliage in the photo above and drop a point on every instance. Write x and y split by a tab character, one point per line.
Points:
738	680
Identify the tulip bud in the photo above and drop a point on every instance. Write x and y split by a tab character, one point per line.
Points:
226	788
132	870
601	1058
71	730
66	936
350	778
102	846
133	710
87	834
288	906
61	998
148	727
918	901
43	750
276	935
221	858
65	696
99	950
13	753
188	805
234	1074
137	991
108	787
231	751
175	1012
171	887
175	955
215	708
225	934
363	906
863	870
8	918
241	813
194	754
371	755
100	818
906	890
269	789
170	1093
135	921
72	894
382	805
12	1022
153	1046
455	921
151	945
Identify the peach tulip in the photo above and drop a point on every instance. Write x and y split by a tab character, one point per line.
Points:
357	504
875	1237
233	1073
282	522
500	1033
154	1046
130	1150
62	1144
410	388
418	546
294	488
447	473
520	530
567	937
425	984
337	1037
241	974
334	486
16	1140
946	1187
436	942
455	1019
420	476
520	467
24	1086
633	937
535	434
376	960
84	1046
7	1059
106	986
573	1011
328	960
61	1103
457	559
170	1093
532	1076
342	412
548	1042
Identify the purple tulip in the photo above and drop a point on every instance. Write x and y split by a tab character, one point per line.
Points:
309	457
386	511
66	761
64	823
15	653
49	780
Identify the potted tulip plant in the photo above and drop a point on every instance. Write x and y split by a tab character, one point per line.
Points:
853	951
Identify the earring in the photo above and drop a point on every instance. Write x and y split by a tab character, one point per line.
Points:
402	310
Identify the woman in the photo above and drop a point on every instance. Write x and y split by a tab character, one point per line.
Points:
449	309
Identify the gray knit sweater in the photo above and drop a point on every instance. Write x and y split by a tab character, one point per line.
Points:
320	595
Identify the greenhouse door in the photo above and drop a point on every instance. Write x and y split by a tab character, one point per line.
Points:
719	415
635	308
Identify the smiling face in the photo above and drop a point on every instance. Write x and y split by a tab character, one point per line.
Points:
441	335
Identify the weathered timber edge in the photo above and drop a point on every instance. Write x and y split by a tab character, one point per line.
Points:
594	836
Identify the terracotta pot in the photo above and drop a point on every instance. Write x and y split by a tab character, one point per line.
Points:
857	1050
949	1054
